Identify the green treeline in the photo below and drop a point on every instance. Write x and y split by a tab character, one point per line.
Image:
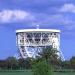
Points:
48	54
11	63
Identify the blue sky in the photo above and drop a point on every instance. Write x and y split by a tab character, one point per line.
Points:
20	14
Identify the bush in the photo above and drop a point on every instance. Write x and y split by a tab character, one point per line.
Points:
42	68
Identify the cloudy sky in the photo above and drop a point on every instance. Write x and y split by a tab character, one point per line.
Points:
20	14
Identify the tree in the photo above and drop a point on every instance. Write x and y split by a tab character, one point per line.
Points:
21	62
24	63
28	63
12	63
42	68
3	64
72	61
49	53
66	64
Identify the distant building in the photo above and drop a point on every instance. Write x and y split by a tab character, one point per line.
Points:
30	41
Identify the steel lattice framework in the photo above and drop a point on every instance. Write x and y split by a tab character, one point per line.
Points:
30	41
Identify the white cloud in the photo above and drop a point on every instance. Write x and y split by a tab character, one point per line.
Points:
63	20
12	16
8	16
58	20
68	8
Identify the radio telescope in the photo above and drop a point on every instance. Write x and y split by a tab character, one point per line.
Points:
30	41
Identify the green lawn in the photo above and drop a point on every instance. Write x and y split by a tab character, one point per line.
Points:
16	73
30	73
66	73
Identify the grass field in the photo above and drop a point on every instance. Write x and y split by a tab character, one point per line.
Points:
30	73
66	73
